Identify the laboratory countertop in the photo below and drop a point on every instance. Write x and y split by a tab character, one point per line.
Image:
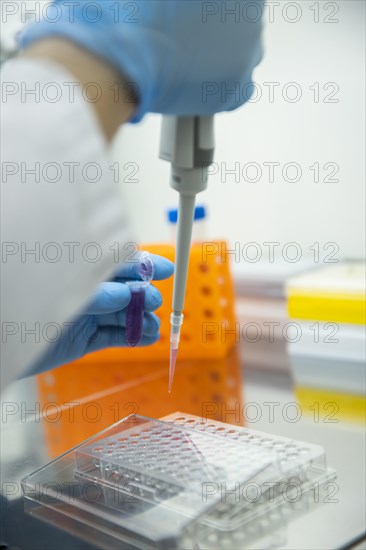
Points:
268	403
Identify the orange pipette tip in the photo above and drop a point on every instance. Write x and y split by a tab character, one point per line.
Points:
173	360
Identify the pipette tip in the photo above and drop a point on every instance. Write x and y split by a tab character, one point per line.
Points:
173	359
176	320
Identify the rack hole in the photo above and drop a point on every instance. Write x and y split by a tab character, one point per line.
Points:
206	290
208	313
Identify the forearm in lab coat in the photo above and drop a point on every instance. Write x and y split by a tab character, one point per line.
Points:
62	214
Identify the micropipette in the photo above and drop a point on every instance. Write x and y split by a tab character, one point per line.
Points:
135	309
188	143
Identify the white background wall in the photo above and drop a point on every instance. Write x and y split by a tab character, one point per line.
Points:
304	132
331	50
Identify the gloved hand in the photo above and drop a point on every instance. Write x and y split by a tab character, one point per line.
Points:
184	57
102	324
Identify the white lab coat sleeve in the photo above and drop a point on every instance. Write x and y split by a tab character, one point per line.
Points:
62	220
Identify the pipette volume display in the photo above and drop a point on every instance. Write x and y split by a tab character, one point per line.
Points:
135	309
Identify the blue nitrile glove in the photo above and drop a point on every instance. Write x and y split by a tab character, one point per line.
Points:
102	323
185	57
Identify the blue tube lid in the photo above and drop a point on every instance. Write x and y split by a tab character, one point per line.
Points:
199	214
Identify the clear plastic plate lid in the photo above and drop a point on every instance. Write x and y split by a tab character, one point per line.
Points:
161	483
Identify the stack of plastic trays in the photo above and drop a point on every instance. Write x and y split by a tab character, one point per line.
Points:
327	346
177	483
261	304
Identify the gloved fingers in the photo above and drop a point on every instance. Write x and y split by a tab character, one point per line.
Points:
113	297
115	337
163	269
150	325
153	298
109	298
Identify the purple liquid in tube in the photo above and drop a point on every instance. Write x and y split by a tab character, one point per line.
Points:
135	316
135	309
